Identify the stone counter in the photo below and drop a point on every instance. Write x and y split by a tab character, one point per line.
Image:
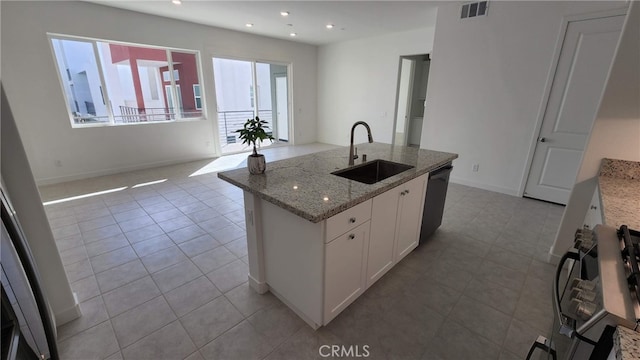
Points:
305	186
619	184
626	344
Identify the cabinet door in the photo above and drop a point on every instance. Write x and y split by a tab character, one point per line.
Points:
345	267
410	215
383	231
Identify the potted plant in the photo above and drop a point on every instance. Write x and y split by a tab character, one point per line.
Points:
252	132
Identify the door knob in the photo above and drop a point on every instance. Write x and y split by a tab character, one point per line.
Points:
543	139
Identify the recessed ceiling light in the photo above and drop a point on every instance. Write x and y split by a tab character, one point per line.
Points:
248	25
177	2
293	34
329	26
284	13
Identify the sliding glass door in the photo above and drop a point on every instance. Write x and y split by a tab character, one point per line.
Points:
245	89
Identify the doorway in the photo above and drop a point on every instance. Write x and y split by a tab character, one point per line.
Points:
282	109
586	54
173	109
412	93
245	89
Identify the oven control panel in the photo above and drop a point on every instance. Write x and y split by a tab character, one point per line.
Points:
583	298
584	240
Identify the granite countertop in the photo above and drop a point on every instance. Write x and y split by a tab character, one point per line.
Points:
626	344
619	183
305	186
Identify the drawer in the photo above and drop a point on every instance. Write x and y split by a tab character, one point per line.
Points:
347	220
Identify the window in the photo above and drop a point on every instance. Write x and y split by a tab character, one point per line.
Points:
166	77
267	97
110	83
197	97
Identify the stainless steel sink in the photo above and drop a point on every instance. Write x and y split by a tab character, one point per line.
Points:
373	171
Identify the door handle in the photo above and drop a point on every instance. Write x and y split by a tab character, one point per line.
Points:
542	139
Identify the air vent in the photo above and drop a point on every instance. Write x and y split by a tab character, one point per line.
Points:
474	9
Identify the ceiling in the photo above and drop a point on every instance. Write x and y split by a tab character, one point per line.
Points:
351	19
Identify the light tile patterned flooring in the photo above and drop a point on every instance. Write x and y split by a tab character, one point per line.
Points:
160	271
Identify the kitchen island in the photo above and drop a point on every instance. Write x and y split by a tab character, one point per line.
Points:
317	240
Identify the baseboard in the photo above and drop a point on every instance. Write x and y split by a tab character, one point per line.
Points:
302	316
552	258
67	315
111	171
499	189
259	287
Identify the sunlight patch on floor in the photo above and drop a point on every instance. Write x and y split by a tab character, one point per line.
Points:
223	163
84	196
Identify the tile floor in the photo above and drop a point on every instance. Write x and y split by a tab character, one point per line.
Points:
158	263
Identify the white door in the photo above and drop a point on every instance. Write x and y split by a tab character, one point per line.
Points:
282	109
384	209
583	65
172	110
345	270
409	218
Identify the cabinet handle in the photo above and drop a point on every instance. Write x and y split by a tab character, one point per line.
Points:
352	220
403	193
407	191
593	207
351	237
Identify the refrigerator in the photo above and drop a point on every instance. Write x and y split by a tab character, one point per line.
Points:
28	330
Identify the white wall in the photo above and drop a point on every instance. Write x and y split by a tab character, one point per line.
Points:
21	189
486	84
358	80
618	121
33	89
616	131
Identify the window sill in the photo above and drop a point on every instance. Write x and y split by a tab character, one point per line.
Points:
144	123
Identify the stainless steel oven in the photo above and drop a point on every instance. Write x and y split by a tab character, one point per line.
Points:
595	289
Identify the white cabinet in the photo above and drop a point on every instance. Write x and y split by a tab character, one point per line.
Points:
383	233
594	213
348	219
345	267
409	216
396	216
318	269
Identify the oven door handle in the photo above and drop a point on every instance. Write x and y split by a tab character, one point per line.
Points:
573	255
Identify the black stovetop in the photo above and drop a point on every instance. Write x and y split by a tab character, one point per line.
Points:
631	257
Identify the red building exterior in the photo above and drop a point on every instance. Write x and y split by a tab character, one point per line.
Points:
183	63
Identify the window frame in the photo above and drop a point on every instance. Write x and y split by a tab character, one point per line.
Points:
197	96
103	89
254	103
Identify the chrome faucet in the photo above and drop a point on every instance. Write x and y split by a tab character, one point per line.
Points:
351	153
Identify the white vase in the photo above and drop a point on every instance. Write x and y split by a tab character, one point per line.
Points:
256	164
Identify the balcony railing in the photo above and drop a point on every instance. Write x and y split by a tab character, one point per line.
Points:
133	115
230	121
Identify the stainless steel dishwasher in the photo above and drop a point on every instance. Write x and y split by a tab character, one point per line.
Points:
434	201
